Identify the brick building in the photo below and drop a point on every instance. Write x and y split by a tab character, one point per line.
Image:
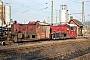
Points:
78	23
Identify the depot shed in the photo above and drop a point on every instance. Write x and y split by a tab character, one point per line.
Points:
78	23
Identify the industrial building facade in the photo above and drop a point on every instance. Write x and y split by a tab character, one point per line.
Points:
1	12
5	13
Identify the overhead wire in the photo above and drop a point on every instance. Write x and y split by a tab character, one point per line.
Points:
78	17
33	8
78	2
42	10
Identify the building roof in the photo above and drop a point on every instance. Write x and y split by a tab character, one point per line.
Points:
72	24
77	22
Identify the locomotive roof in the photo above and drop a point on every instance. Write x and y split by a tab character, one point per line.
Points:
41	23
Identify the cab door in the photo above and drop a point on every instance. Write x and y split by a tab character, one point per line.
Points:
73	32
47	31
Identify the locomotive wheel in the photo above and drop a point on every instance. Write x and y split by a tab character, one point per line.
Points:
53	37
62	36
15	39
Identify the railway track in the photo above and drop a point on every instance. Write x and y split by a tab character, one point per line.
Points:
33	43
84	57
45	50
82	54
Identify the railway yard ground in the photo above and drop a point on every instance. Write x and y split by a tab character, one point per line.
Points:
69	49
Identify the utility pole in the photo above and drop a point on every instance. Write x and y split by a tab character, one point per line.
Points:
56	17
52	13
83	14
87	22
59	16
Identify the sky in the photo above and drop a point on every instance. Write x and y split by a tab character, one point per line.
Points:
24	11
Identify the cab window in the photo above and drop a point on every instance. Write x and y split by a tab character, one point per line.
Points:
38	26
68	28
72	28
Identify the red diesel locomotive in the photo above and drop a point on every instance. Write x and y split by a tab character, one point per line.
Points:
31	31
63	31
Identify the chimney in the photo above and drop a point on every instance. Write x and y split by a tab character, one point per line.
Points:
71	17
